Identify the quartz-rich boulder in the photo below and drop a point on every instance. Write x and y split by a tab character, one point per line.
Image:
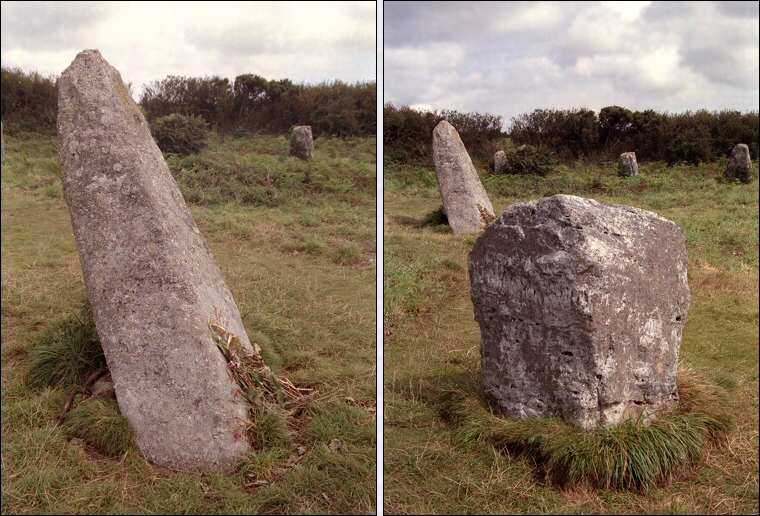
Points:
150	277
499	162
628	166
739	164
466	202
581	307
301	142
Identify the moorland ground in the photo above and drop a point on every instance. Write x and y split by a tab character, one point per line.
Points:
432	342
296	243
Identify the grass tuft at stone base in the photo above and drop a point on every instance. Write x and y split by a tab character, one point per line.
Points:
99	423
65	352
633	456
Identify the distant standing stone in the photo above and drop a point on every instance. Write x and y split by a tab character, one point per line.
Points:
150	276
301	142
466	202
581	308
499	162
628	166
739	164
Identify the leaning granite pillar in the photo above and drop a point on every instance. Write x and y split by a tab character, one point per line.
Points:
152	282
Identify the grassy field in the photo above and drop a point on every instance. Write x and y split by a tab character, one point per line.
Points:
296	243
432	342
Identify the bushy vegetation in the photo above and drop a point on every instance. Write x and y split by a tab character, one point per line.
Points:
572	134
179	134
29	101
250	104
255	104
527	159
407	133
692	137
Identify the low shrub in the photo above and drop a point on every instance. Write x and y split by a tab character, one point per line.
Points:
528	159
179	134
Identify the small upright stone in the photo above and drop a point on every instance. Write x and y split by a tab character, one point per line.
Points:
152	282
499	162
301	142
581	308
739	164
466	202
628	166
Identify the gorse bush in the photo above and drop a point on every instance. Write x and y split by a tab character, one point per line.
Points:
528	159
29	101
179	134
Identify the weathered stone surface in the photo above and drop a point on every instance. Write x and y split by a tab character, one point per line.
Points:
465	200
499	162
301	142
150	276
628	166
739	164
581	307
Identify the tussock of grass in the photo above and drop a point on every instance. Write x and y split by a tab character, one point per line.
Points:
99	423
632	456
269	430
435	218
66	352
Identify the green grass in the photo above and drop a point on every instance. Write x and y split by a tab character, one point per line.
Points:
300	262
444	452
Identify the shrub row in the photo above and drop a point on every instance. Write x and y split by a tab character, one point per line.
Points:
253	103
250	104
407	133
692	136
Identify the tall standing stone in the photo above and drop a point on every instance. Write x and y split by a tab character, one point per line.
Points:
499	162
739	164
150	277
628	166
581	307
301	142
466	202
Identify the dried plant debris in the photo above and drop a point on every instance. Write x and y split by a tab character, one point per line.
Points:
261	388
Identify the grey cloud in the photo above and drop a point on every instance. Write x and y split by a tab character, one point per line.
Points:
721	66
415	23
739	9
664	11
51	25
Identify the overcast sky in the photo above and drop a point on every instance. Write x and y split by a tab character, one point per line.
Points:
302	41
509	58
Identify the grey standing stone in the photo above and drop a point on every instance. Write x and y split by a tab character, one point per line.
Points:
466	202
739	164
581	307
628	166
150	277
301	142
499	162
